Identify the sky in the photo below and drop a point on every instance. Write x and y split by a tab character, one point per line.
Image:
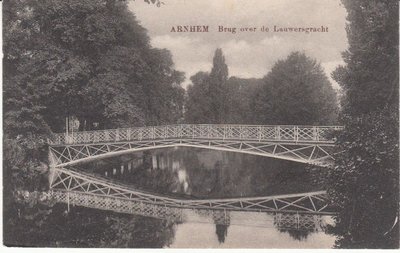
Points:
247	54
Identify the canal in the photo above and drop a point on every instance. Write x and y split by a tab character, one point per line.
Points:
199	173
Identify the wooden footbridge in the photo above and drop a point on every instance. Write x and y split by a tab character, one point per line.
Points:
305	144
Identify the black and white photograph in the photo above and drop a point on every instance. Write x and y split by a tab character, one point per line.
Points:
198	124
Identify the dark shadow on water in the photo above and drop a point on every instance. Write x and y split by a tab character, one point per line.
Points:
200	173
222	232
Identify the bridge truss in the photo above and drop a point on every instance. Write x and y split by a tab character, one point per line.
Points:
304	144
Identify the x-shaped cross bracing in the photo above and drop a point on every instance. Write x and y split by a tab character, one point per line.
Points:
311	153
79	183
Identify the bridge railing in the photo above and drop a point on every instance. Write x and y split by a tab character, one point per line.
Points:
319	134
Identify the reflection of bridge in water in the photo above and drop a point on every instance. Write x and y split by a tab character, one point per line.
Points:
283	221
84	189
312	145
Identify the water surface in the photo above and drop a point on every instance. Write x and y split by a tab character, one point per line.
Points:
197	174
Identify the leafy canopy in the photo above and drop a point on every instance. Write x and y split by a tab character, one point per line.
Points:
295	92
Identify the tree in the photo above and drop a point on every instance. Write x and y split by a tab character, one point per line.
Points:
295	92
197	101
364	181
217	83
239	93
89	60
370	76
206	100
162	89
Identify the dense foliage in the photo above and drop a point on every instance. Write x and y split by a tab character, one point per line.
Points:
86	227
365	180
296	92
89	61
370	77
197	101
206	102
237	93
240	93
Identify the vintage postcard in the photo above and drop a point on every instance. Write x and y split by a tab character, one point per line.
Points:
200	124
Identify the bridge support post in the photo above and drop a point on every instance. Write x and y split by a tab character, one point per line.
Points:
315	134
277	133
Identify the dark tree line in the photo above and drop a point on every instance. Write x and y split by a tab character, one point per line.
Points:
365	180
206	101
296	91
86	60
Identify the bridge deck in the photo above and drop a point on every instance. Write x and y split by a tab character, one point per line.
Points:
291	134
304	144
